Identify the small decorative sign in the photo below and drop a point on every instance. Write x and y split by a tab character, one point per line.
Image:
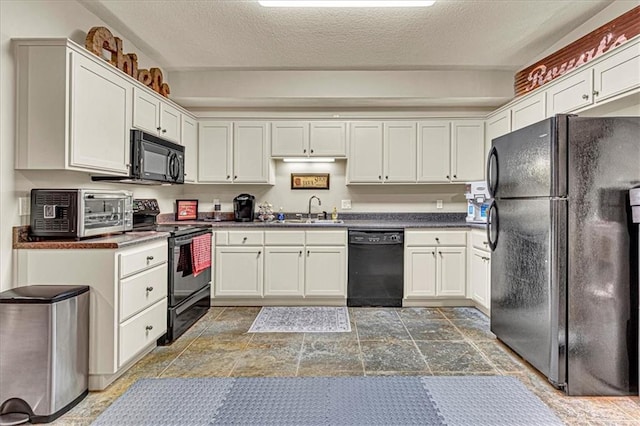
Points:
186	209
309	180
581	51
100	39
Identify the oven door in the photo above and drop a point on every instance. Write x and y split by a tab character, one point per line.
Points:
182	282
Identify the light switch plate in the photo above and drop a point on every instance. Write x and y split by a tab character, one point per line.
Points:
346	204
438	204
25	206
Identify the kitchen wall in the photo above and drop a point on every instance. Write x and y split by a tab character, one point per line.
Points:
364	198
36	18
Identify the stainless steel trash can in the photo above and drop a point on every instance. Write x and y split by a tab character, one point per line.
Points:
44	352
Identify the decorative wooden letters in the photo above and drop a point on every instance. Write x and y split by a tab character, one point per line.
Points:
581	51
100	38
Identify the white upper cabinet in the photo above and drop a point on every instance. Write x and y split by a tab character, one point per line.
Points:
365	153
251	163
189	139
400	152
618	73
289	138
154	116
215	163
571	93
308	139
434	151
528	111
73	112
497	124
328	139
467	150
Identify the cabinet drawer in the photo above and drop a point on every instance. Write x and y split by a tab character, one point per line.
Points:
246	238
326	238
435	238
479	240
142	330
142	290
143	257
284	238
222	238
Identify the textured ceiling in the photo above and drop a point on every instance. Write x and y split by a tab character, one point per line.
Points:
240	34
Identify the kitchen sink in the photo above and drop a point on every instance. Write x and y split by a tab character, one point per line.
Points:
314	221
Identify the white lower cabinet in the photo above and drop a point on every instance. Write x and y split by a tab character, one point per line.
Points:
326	271
280	264
436	270
128	303
239	271
284	271
480	270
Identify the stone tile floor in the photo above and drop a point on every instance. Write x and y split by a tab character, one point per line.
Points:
383	341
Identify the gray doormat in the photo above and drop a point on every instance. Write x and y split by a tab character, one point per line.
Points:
472	400
301	319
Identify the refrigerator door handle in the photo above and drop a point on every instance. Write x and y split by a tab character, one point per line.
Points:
492	220
491	185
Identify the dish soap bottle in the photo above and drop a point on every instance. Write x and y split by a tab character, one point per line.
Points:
281	215
334	214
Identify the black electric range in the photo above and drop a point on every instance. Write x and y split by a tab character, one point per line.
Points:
188	293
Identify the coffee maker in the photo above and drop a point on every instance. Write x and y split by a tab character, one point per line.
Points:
244	207
478	201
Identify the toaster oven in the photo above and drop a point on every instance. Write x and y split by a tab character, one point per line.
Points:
80	213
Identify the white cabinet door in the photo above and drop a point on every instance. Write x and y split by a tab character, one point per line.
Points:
99	130
451	271
619	73
479	275
326	271
251	152
214	152
289	139
528	111
434	152
328	139
570	94
419	272
284	271
400	152
146	111
239	271
496	125
170	120
189	139
467	150
365	154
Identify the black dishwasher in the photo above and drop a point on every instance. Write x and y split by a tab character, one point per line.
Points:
376	267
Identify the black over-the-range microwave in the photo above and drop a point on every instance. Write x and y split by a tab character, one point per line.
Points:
153	161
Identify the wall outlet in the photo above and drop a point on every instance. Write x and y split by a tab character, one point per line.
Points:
24	206
346	205
438	204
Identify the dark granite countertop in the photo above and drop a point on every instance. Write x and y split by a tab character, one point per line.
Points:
21	240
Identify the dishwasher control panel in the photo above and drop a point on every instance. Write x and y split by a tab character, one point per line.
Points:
376	237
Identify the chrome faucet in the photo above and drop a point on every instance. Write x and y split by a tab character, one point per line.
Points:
311	199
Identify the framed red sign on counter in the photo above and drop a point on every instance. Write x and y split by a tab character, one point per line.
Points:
186	209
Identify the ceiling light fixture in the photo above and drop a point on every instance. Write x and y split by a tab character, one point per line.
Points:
309	160
345	3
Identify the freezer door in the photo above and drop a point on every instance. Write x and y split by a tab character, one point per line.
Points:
528	281
530	162
604	163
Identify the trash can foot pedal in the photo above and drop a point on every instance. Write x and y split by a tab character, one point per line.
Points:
14	411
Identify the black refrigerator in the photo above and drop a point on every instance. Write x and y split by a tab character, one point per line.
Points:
564	292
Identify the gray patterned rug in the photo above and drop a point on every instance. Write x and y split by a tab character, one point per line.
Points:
301	319
492	400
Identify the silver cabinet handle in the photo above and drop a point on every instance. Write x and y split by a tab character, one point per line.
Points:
447	176
150	288
164	130
437	239
259	252
585	97
308	253
149	328
158	128
596	93
433	253
149	258
312	151
228	176
304	151
455	176
380	177
235	177
300	254
386	177
244	240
